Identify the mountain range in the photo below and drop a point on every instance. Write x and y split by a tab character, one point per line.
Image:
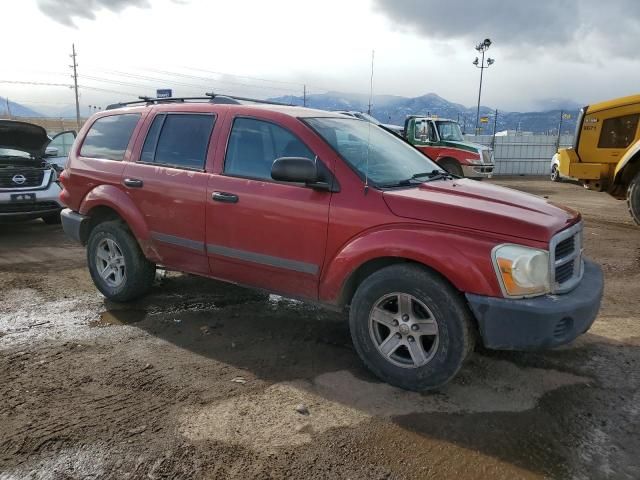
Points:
13	109
394	109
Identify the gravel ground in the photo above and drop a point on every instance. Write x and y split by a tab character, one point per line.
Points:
205	380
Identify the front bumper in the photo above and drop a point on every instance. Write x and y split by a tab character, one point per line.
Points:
478	171
47	201
74	224
540	322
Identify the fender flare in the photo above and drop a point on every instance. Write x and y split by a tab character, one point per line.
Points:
114	198
626	158
464	260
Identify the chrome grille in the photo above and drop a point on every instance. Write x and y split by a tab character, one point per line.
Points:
32	177
487	156
565	256
565	247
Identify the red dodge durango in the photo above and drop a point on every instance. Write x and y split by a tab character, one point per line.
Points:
333	210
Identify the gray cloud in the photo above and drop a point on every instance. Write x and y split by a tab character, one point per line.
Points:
65	11
577	27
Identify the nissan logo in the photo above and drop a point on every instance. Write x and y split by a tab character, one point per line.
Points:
19	179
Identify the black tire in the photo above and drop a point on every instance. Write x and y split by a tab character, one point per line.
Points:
451	165
52	219
633	198
455	335
555	174
139	273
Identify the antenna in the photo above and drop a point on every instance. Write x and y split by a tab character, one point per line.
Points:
366	168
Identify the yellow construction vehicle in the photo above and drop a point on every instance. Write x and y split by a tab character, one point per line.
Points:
606	151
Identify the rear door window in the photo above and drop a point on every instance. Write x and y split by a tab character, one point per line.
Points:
255	144
178	140
109	137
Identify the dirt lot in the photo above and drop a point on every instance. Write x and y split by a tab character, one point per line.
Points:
202	380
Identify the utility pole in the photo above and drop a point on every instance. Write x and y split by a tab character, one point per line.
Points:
8	108
373	53
559	130
75	83
482	47
495	124
304	96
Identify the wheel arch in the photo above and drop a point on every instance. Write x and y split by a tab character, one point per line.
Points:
368	268
448	158
628	167
444	256
107	202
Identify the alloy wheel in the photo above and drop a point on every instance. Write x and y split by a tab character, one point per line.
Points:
404	330
110	263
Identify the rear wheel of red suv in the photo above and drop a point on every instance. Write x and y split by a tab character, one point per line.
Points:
410	327
117	265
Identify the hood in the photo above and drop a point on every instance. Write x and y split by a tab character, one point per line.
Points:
469	146
22	136
482	206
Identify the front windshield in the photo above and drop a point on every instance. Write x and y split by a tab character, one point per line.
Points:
372	151
450	131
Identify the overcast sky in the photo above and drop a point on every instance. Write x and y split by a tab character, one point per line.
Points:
581	50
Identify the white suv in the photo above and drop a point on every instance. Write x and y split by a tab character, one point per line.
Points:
30	162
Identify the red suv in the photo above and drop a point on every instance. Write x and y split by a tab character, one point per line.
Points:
332	210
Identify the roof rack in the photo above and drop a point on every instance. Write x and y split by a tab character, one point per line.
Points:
209	97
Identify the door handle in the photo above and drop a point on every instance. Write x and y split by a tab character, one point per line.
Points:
132	182
224	197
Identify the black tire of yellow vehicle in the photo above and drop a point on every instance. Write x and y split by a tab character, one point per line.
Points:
633	198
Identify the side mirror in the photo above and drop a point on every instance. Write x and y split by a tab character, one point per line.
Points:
51	152
294	169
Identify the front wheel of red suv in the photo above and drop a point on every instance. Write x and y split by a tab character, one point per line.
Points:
118	267
410	327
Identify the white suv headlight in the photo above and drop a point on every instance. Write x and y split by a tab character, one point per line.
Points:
522	271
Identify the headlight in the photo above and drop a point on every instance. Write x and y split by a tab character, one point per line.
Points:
522	271
475	161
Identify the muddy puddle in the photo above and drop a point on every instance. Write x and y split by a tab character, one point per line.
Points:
118	317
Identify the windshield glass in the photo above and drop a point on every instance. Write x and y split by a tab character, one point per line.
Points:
450	131
9	152
368	148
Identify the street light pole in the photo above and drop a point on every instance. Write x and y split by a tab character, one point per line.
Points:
482	47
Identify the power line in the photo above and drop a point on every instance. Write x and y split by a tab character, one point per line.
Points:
26	82
81	87
244	76
98	89
205	81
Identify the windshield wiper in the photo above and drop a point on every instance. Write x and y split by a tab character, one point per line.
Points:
433	175
416	179
401	183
